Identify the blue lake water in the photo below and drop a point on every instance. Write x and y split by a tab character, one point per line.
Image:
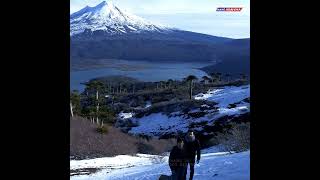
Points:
150	72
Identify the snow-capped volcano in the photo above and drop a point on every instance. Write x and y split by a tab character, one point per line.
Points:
109	18
106	32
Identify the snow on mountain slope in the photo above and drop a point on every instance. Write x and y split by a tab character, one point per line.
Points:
156	124
225	96
219	165
109	18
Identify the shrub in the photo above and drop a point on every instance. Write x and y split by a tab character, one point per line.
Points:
107	115
102	129
197	114
237	138
247	100
156	146
146	137
144	148
212	142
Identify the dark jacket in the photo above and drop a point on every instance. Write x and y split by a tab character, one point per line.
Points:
177	158
192	148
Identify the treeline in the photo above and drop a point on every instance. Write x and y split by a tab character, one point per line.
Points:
99	102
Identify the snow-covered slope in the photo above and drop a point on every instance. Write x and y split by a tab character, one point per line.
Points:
225	96
109	18
156	124
218	165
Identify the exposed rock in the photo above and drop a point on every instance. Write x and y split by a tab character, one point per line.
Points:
230	106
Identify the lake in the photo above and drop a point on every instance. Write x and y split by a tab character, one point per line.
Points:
144	71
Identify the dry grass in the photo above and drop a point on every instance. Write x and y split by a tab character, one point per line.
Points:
85	141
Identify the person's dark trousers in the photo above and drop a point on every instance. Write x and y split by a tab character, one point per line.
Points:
191	165
179	173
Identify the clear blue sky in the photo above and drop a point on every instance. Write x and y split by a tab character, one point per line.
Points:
193	15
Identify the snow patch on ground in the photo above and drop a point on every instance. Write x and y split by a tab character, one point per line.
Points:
123	115
220	165
148	104
158	122
116	162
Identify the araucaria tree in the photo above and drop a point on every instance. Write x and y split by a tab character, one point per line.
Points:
96	86
74	103
191	79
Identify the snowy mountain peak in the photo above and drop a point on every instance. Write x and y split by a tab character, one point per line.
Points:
109	18
104	5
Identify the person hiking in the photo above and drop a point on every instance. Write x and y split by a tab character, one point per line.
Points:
177	161
192	147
